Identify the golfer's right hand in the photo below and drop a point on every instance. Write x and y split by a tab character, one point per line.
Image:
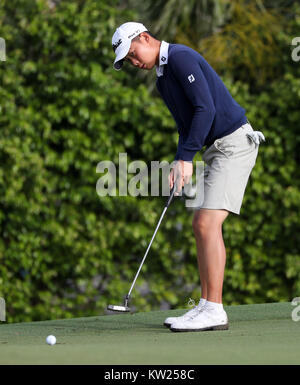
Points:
171	179
176	177
181	174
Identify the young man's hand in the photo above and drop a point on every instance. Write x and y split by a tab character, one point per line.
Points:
181	173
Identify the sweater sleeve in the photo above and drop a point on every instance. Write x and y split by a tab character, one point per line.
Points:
188	73
179	147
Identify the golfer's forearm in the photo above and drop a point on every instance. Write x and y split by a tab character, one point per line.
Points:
200	126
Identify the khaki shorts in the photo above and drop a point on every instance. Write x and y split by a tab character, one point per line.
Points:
228	164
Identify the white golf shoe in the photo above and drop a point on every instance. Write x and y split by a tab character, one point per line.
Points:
194	311
204	320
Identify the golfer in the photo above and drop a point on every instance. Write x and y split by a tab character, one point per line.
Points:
206	115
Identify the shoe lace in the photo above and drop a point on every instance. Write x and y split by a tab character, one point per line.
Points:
191	303
196	313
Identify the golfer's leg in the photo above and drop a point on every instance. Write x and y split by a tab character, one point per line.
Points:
201	269
211	252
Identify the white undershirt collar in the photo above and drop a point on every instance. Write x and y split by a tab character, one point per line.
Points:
163	58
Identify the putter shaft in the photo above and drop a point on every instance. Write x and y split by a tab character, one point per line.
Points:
148	248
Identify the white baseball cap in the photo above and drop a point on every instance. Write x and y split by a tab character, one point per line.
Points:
121	40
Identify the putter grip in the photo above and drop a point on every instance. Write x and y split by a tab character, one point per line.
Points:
171	196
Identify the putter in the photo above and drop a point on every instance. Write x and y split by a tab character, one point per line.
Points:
125	308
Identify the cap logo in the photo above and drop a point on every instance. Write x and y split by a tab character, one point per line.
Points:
134	33
116	45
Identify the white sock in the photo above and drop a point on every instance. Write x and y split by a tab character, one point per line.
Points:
202	302
213	306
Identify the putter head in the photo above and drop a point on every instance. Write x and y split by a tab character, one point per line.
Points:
122	309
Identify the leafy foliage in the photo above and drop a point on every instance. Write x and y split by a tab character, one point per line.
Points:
247	45
170	18
63	110
65	251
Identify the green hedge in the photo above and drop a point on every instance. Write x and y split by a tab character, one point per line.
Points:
65	251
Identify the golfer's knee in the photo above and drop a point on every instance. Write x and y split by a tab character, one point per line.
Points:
200	226
204	225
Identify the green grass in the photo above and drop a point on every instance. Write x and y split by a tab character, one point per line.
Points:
258	334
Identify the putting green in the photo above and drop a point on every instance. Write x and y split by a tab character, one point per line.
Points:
258	334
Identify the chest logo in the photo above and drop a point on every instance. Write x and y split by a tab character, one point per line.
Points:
191	78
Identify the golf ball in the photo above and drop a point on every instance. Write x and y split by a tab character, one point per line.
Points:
51	340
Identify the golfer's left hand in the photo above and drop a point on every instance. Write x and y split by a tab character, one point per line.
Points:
181	173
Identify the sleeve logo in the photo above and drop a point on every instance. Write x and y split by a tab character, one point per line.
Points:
191	78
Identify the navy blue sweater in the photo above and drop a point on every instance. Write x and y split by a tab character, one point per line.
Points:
199	101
